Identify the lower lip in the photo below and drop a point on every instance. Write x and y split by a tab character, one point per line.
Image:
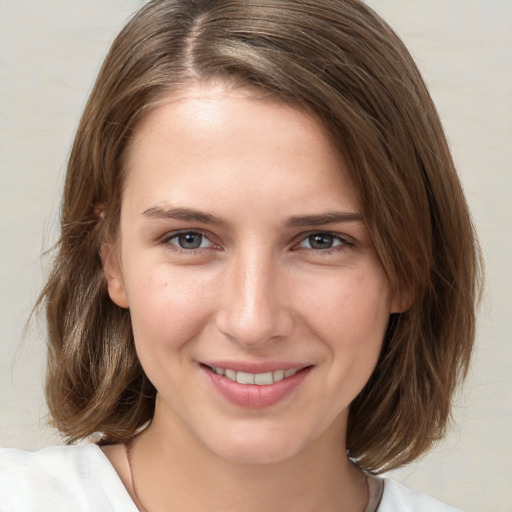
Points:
253	396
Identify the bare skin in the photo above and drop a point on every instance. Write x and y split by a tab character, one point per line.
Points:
242	247
198	483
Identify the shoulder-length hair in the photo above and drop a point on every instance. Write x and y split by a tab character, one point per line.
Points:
340	61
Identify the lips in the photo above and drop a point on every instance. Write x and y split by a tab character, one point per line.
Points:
260	379
255	389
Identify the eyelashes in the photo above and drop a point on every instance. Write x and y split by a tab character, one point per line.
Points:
189	240
321	242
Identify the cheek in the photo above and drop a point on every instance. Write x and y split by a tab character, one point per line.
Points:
168	308
351	306
351	316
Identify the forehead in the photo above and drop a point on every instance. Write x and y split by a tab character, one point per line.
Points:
214	100
212	137
210	103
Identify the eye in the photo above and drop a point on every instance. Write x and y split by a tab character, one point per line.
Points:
321	241
189	240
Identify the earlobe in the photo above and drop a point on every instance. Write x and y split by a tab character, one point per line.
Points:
401	302
113	274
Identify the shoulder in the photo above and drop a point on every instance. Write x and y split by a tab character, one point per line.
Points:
58	478
399	497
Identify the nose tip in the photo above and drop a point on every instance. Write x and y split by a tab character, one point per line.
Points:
255	328
253	308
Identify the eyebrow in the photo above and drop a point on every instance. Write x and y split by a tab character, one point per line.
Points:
207	218
324	218
183	214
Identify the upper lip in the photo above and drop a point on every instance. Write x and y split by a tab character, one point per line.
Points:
256	367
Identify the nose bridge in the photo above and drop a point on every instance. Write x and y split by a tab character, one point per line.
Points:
253	308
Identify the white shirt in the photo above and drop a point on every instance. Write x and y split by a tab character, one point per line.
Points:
81	478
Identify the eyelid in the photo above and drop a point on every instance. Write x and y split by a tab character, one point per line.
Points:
165	239
344	243
345	239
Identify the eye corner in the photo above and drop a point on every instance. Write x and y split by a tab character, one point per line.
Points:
322	241
188	240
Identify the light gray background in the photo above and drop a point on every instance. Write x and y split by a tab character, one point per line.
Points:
50	51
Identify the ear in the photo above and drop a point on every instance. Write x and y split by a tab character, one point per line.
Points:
113	274
401	302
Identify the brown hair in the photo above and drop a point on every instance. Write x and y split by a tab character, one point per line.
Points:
340	61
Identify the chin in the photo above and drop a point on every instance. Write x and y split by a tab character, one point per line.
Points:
254	448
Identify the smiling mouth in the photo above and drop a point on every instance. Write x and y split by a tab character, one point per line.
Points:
259	379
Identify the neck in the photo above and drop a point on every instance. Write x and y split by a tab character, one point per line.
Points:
177	472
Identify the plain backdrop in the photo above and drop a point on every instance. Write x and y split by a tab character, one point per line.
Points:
50	52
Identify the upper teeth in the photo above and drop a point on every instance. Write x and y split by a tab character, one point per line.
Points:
261	379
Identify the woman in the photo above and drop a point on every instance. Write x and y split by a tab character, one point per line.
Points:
265	285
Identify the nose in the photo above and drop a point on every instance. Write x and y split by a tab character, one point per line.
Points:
254	305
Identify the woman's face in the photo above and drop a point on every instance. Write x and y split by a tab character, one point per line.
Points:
258	302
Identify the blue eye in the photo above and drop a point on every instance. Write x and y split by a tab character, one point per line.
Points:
322	241
189	240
